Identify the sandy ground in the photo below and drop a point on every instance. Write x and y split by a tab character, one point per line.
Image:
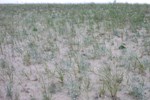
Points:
47	64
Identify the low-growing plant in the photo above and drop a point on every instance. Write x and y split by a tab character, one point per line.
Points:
74	90
141	67
86	83
111	81
136	90
52	46
102	91
35	29
46	96
16	96
33	98
2	35
4	64
99	50
122	46
25	74
9	91
9	88
81	64
27	59
52	88
60	76
147	45
60	72
48	72
133	62
146	63
88	40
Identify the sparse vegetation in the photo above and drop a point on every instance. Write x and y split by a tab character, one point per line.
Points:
91	51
